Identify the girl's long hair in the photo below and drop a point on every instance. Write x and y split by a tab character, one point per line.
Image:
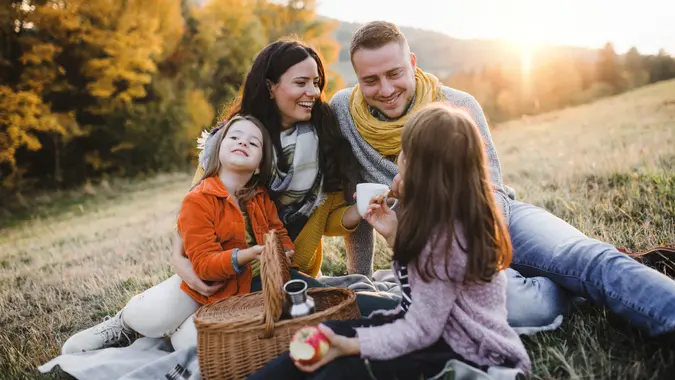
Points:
213	161
336	159
446	184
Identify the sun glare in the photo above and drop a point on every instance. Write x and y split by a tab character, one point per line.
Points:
524	46
526	58
523	31
526	67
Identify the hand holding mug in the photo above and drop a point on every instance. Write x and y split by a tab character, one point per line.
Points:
382	218
365	193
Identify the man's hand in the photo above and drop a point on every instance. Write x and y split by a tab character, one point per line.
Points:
339	346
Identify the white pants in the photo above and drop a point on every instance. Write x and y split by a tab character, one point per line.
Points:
164	311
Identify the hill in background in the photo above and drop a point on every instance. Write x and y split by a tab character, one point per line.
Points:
444	56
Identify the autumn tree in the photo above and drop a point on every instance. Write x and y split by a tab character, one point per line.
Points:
298	18
554	81
608	68
661	66
635	70
97	87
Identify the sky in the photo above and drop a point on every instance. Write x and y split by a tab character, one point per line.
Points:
647	24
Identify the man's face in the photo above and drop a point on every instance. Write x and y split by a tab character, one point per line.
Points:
387	77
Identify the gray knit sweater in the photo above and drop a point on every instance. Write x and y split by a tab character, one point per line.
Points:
377	169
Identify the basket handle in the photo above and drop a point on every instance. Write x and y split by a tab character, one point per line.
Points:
274	273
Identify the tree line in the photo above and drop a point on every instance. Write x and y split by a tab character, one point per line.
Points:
90	88
94	88
553	80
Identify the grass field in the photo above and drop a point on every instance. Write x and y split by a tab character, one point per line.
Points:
608	168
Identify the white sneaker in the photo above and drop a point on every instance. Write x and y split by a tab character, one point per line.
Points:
110	332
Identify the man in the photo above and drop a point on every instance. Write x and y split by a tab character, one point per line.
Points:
371	115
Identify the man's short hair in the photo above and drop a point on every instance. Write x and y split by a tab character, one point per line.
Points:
374	35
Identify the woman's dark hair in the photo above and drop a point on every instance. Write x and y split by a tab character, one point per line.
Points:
336	159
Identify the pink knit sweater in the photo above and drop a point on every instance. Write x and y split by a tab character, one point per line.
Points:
470	317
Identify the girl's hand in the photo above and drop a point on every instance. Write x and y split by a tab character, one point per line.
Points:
382	218
247	255
255	252
339	346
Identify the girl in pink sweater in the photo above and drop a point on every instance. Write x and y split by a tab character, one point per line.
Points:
450	249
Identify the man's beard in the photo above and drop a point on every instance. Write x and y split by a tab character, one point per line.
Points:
405	110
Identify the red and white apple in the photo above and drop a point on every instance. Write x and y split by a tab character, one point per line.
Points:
308	345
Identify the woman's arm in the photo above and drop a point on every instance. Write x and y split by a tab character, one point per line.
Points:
182	265
342	218
183	268
351	218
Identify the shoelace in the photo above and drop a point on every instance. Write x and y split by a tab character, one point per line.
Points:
111	329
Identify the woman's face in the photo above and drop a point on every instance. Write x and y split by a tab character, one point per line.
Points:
296	92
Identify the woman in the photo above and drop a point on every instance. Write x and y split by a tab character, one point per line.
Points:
284	90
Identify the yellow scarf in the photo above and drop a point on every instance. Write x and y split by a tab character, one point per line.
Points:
385	136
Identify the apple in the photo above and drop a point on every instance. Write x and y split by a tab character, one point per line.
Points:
308	345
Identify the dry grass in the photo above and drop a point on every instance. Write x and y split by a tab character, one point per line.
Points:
68	271
607	168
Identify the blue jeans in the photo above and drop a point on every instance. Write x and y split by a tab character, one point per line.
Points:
557	260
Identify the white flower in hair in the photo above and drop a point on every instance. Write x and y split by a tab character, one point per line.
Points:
206	148
205	143
201	140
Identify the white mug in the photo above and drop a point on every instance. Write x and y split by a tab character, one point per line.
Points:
366	191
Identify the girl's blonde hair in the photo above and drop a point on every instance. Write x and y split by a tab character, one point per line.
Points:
212	153
446	182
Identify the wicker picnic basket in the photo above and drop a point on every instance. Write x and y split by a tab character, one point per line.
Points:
238	335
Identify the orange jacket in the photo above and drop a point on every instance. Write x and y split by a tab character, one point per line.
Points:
212	226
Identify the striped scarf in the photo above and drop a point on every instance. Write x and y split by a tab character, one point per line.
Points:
297	192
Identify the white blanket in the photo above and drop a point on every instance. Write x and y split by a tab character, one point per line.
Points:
146	358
